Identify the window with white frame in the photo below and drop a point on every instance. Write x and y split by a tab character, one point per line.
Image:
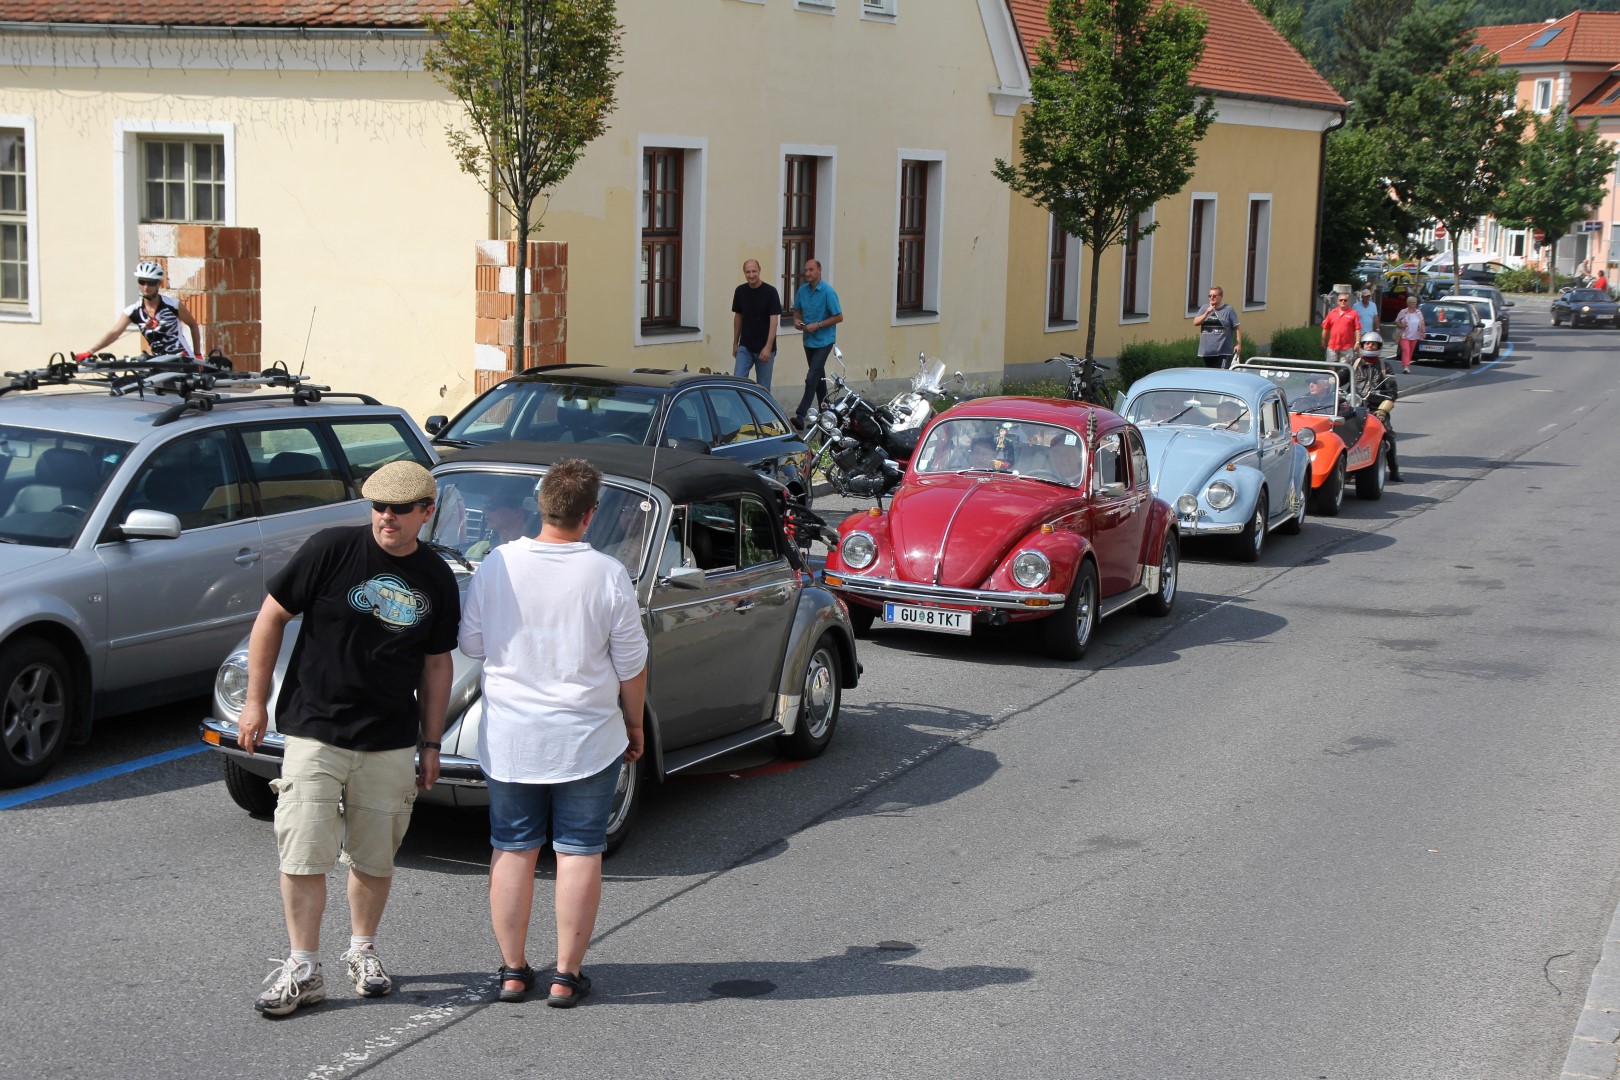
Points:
669	285
1257	254
920	218
16	290
182	180
1543	101
1062	279
1200	250
883	9
1136	269
807	214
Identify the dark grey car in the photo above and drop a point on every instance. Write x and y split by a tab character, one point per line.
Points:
745	646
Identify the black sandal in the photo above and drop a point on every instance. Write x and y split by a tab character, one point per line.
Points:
524	975
579	982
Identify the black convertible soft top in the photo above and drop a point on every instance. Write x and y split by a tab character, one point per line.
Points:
682	475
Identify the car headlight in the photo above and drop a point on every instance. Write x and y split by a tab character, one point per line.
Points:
1585	310
1305	436
1220	494
858	550
232	681
1031	569
1187	505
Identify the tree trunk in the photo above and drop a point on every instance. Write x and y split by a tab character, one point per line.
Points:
1091	316
521	304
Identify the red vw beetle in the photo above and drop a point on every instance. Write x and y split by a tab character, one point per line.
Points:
1013	509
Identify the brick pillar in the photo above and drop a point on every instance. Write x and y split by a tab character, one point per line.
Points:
213	271
495	279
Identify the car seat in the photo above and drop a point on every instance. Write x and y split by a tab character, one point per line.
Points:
62	477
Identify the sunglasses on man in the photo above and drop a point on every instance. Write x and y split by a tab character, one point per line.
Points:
401	509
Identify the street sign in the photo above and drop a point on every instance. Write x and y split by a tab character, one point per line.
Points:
1539	236
1591	226
1439	232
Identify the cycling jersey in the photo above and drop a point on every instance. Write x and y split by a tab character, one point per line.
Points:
162	329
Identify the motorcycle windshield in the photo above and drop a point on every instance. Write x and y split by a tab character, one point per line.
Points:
930	379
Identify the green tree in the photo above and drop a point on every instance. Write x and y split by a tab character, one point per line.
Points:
1565	175
1288	16
1115	124
536	78
1430	36
1462	142
1365	29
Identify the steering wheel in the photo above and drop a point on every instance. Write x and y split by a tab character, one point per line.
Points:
67	508
631	439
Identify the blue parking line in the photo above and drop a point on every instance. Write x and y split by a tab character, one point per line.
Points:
56	787
1507	351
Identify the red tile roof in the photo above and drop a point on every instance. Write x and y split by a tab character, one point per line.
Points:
1243	54
1604	100
281	13
1496	38
1584	37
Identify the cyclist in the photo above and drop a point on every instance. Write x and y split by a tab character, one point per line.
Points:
157	317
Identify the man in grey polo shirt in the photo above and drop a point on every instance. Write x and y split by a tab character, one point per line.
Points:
1219	336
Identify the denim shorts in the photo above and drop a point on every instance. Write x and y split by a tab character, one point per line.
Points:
577	812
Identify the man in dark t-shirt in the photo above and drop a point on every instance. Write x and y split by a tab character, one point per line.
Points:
368	681
755	307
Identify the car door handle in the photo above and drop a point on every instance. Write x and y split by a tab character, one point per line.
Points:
744	605
246	557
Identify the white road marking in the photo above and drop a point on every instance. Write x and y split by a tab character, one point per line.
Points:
413	1025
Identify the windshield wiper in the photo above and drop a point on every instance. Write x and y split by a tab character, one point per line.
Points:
449	553
462	444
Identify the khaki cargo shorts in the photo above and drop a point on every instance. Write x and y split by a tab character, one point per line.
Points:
332	802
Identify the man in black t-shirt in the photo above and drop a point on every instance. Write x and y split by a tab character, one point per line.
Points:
369	680
755	307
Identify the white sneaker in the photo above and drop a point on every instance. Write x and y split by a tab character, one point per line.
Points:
366	972
292	985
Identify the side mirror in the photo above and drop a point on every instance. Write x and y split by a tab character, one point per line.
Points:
1507	303
694	446
1113	491
436	424
150	525
685	577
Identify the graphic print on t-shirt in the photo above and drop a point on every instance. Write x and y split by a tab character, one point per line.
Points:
395	603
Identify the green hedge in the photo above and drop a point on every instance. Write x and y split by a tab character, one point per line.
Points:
1141	358
1297	343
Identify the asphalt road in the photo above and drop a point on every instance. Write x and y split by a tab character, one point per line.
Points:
1350	812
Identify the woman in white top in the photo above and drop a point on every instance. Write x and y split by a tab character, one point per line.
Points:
1410	324
558	627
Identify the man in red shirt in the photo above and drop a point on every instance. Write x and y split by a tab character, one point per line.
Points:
1341	331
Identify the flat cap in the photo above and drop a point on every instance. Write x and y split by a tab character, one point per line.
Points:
399	482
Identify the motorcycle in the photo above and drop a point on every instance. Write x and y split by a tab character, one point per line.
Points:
1085	384
862	448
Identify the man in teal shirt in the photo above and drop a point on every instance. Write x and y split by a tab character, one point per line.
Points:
816	313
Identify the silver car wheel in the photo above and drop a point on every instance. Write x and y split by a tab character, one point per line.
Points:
820	694
626	793
35	714
1168	564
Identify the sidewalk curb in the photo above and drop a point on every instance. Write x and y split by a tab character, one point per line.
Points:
1593	1050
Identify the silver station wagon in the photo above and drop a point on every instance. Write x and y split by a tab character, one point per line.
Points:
143	507
745	646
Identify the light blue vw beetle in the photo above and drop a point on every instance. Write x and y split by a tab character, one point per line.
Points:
1221	450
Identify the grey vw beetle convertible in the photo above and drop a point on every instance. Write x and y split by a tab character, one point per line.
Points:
1221	450
745	647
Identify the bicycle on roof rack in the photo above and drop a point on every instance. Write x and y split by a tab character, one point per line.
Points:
199	384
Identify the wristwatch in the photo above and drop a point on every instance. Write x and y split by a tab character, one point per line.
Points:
429	744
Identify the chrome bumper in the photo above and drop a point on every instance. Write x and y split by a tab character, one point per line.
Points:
1200	527
220	735
911	592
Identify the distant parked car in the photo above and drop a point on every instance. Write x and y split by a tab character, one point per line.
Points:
1454	332
1491	329
586	403
1588	307
1221	450
137	531
744	647
1014	509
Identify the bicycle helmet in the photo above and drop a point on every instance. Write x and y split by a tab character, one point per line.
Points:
1371	344
146	269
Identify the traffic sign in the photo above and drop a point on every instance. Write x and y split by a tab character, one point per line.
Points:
1539	236
1439	232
